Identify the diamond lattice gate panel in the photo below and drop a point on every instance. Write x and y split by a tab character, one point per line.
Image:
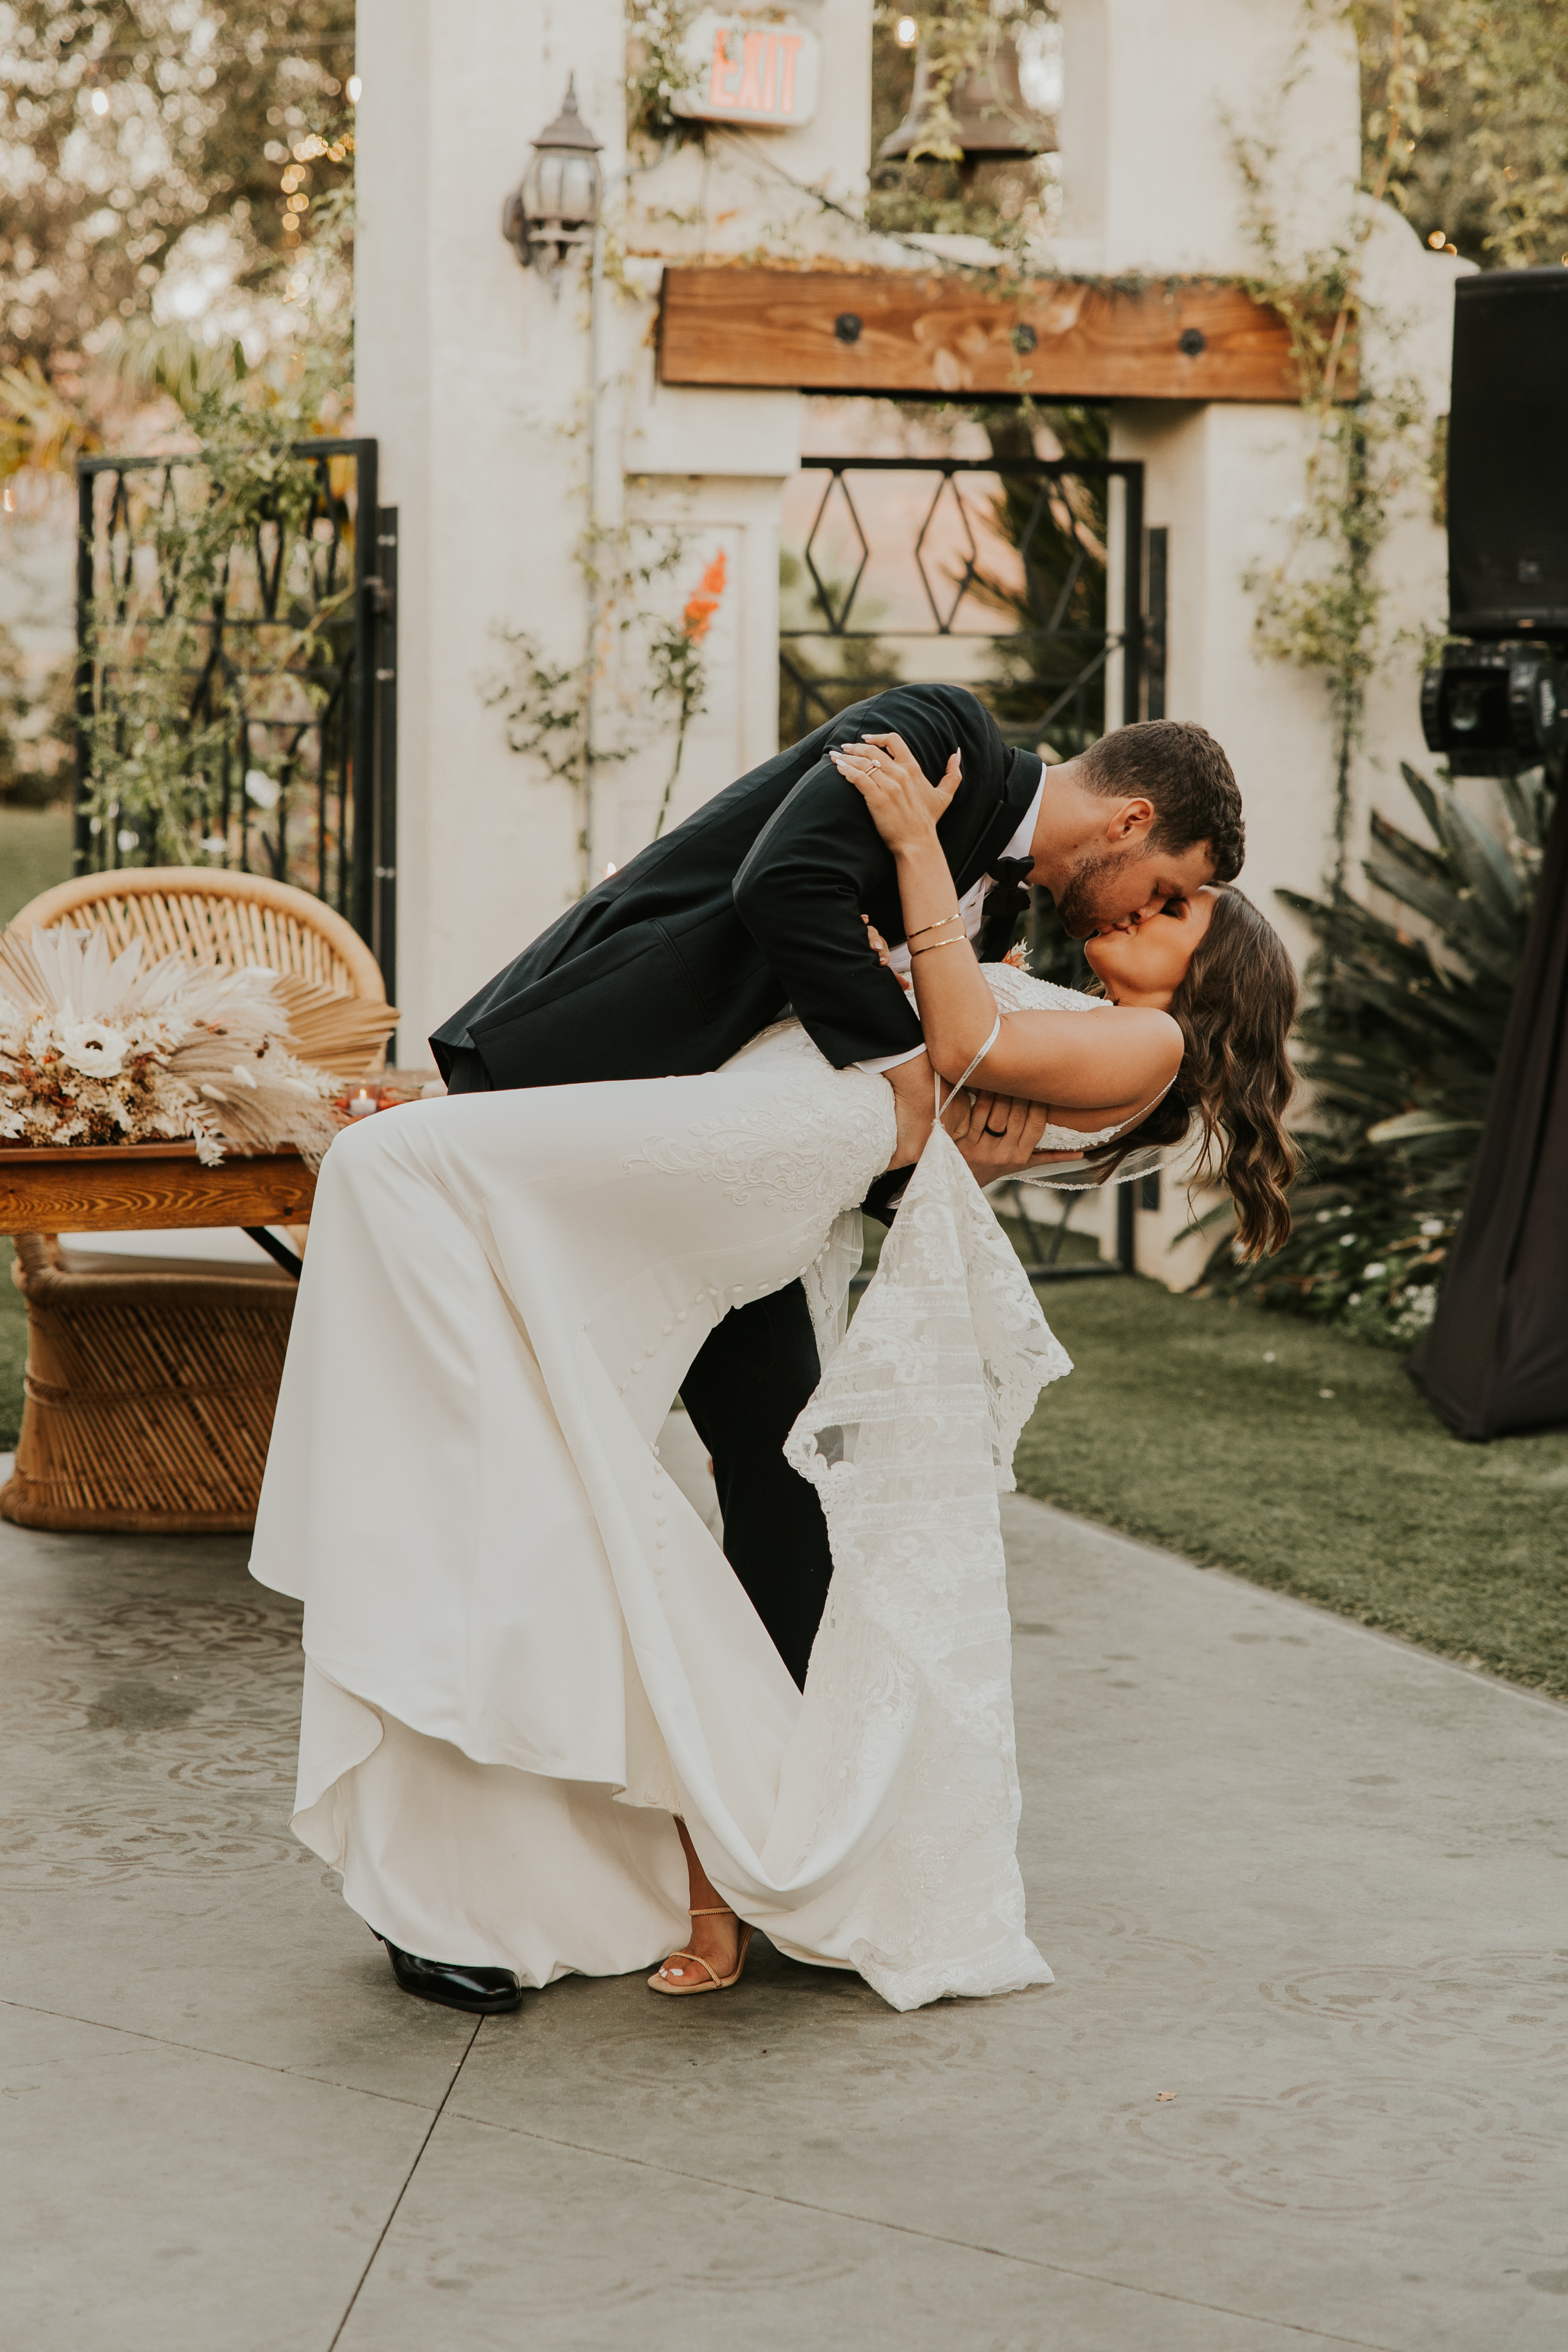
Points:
236	673
1026	580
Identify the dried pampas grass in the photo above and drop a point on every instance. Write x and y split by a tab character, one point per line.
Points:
93	1049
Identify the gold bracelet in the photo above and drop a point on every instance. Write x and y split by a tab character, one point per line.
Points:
955	917
935	945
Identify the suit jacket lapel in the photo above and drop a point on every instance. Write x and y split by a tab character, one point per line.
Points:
1022	782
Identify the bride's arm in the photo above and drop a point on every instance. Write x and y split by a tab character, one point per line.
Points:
1077	1066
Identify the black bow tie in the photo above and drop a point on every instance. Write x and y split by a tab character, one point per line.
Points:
1004	905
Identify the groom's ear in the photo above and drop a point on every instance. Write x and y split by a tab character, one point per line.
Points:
1130	822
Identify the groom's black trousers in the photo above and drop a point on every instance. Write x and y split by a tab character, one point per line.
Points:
750	1379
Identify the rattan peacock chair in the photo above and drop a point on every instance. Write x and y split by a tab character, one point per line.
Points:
152	1381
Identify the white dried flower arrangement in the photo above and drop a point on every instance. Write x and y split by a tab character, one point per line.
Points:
95	1050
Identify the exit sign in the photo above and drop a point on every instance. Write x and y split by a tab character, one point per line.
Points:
744	71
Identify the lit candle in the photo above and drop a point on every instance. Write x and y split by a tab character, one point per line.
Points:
362	1102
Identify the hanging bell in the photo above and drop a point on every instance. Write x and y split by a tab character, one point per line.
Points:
984	112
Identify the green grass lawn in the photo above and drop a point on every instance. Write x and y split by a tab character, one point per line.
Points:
34	854
12	1351
1202	1425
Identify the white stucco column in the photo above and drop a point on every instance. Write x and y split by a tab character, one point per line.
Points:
471	374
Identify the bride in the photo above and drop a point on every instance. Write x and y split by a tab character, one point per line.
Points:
544	1732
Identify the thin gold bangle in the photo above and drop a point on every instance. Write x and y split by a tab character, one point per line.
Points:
955	917
935	945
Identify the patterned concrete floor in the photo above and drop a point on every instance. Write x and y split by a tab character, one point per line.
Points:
1299	2081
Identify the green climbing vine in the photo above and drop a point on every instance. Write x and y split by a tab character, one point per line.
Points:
658	71
1322	604
549	709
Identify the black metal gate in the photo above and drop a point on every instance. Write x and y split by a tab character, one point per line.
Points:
249	722
1024	543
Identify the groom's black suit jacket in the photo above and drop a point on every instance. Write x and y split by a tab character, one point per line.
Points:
755	903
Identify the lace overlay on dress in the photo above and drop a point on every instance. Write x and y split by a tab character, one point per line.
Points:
907	1440
815	1146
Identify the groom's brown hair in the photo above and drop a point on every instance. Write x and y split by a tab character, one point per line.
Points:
1184	772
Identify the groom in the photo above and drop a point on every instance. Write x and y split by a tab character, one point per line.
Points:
753	905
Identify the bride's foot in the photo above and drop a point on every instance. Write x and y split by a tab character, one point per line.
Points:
712	1958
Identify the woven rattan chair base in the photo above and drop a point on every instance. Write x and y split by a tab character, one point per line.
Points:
151	1390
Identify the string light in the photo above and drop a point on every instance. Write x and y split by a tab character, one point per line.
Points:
101	102
354	88
906	33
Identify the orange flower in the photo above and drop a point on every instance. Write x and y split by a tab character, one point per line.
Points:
703	603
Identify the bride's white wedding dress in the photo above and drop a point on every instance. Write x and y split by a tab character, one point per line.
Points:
525	1653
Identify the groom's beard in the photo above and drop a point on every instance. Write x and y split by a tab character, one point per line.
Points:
1078	909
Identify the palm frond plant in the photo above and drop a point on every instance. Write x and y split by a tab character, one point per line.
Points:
1398	1044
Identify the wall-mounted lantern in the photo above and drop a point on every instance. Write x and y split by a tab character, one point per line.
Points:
557	207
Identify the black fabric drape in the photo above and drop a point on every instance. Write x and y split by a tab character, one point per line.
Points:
1495	1362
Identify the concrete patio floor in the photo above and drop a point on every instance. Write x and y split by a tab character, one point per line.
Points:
1299	2081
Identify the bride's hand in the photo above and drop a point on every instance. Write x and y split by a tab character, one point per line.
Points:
882	951
904	807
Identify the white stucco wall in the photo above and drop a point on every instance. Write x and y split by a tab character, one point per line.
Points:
474	375
1154	96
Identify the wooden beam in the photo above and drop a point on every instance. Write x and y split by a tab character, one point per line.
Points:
950	338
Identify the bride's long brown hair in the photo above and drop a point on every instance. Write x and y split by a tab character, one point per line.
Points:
1236	1007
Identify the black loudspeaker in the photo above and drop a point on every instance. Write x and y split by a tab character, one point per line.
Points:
1508	455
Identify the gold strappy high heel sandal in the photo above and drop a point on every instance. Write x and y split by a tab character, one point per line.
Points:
659	1982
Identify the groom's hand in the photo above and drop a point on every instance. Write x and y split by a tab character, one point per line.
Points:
999	1135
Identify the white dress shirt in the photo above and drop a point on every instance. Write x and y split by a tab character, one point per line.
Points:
972	907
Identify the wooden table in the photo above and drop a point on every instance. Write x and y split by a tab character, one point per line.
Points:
144	1187
134	1187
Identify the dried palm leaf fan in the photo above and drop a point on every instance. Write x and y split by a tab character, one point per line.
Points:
341	1034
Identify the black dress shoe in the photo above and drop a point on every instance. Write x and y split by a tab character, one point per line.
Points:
485	1992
